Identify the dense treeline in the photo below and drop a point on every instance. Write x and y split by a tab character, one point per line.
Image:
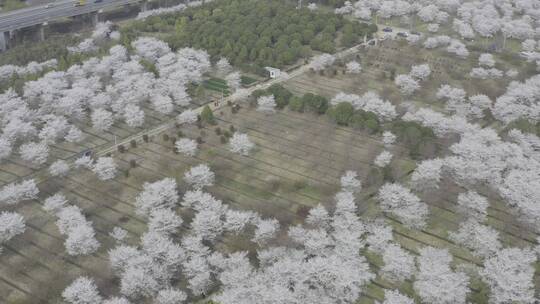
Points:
54	47
253	34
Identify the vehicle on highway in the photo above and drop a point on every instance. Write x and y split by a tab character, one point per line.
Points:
49	5
387	29
98	1
80	3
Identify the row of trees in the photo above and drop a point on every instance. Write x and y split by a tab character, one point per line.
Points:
420	140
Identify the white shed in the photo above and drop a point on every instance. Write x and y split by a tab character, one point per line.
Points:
274	73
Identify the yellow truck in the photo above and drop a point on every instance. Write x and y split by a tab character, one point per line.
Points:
80	3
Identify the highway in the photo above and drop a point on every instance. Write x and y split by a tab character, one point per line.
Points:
35	15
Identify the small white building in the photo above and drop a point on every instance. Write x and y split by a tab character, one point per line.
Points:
274	73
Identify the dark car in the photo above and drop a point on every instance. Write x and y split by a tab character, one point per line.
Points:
415	33
387	29
98	1
402	34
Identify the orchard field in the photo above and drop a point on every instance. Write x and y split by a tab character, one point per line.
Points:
297	164
378	167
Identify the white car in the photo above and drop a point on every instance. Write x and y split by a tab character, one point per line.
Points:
49	5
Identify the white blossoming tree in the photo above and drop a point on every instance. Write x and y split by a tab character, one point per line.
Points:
199	176
402	203
59	168
82	291
186	146
11	224
105	168
241	144
266	104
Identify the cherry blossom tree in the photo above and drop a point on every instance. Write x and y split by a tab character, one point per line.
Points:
406	84
388	139
464	29
241	144
482	240
223	66
162	104
102	119
80	234
11	225
383	159
59	168
402	203
54	203
133	115
483	73
74	135
512	73
413	39
428	13
529	45
236	221
84	161
398	264
459	48
53	129
321	62
436	282
81	240
233	80
150	48
186	146
379	236
353	67
427	175
34	152
486	60
318	217
14	193
473	204
105	168
199	176
82	291
478	104
509	274
433	27
350	182
161	194
118	234
187	117
208	223
266	104
164	221
518	101
420	72
265	230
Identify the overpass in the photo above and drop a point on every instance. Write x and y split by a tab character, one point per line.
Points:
40	15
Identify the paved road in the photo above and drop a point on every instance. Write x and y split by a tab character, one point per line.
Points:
34	15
